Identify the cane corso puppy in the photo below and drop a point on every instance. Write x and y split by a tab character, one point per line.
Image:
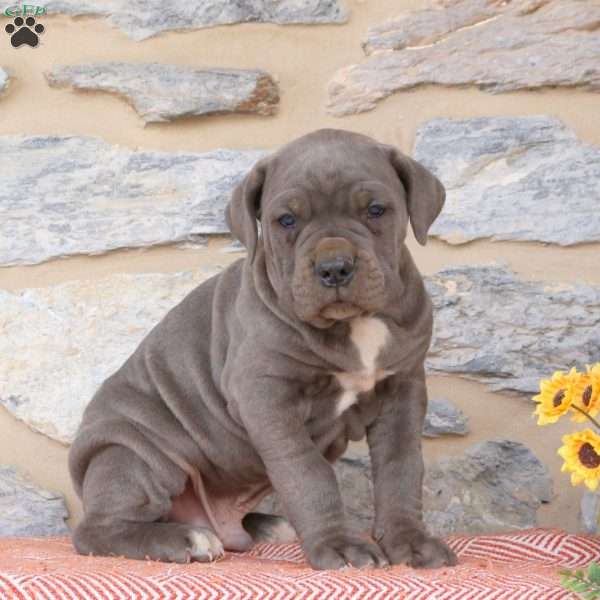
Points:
258	379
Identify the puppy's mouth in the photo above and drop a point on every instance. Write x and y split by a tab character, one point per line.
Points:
341	311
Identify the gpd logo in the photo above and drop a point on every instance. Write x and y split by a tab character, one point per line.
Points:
23	11
24	29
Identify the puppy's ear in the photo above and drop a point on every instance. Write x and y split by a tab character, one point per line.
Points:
425	194
243	209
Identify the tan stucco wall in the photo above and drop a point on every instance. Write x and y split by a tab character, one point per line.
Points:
303	59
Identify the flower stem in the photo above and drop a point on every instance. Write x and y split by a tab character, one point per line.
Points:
587	415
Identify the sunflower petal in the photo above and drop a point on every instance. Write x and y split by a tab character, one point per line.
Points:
576	478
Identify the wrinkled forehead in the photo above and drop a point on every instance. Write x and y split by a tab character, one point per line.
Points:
328	167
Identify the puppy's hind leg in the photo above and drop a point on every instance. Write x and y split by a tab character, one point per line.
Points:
168	542
123	502
270	529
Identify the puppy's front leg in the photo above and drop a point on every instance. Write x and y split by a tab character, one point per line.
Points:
397	462
303	478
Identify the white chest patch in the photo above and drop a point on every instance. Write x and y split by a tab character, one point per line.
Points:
369	335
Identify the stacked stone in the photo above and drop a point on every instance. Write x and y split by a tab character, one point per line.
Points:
524	179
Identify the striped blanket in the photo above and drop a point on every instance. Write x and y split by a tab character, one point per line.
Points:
523	565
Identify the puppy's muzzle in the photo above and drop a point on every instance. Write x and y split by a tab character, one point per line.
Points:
335	262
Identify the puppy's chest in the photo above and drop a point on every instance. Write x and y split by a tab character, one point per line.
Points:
368	337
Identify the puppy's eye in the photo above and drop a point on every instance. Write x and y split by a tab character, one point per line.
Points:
375	210
288	220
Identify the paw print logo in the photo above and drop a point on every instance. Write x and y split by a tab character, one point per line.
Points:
24	32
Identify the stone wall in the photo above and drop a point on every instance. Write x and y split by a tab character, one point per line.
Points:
123	132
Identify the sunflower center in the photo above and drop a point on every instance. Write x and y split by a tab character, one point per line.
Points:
558	398
587	395
588	456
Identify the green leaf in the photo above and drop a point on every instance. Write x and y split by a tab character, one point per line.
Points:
581	586
594	573
593	595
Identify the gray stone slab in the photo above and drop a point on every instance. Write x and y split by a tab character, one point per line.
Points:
80	195
589	512
161	92
492	326
526	178
4	81
27	510
141	19
59	343
433	23
497	46
494	486
444	418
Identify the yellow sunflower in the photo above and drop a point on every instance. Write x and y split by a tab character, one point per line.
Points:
555	397
581	452
586	393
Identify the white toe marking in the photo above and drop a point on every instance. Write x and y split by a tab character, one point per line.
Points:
205	544
369	335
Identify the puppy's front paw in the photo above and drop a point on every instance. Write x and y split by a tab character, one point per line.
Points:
417	549
344	550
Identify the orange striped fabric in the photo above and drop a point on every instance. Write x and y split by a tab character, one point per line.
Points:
522	565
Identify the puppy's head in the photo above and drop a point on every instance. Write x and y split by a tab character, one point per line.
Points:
334	208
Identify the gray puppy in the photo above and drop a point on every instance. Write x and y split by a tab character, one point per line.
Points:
262	374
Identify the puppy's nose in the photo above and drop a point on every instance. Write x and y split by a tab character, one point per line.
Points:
335	272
